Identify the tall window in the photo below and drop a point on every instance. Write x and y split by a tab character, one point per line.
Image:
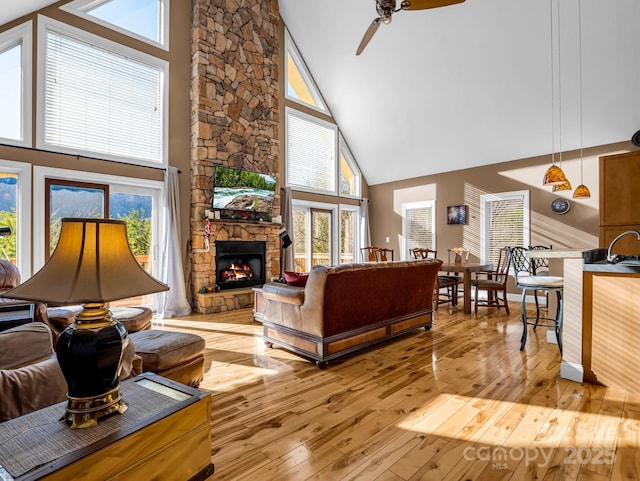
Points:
349	233
350	178
300	85
98	97
505	222
418	226
147	20
311	153
15	215
314	225
15	85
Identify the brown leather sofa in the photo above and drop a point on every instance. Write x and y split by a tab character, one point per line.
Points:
346	308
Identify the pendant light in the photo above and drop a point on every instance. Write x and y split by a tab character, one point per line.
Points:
582	191
554	174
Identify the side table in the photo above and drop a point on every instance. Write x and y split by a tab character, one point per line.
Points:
165	434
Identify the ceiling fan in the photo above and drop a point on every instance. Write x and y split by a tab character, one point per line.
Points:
386	8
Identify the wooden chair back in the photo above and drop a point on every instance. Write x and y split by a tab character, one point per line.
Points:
458	255
423	253
382	254
369	254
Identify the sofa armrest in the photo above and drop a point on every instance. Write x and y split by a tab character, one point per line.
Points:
284	293
24	345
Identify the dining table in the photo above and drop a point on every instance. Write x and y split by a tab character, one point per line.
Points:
466	268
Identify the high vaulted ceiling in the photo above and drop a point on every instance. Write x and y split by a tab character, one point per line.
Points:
470	84
465	85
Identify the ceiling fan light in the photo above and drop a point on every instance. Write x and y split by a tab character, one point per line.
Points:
554	176
564	186
386	18
581	192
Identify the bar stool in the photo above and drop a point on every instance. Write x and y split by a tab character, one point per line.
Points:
527	281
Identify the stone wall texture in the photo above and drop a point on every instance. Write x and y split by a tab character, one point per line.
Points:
234	119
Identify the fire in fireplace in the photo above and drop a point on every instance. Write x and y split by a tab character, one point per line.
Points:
240	264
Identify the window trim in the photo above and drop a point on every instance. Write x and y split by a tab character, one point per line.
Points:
23	35
117	184
404	253
81	7
23	210
46	24
336	154
484	227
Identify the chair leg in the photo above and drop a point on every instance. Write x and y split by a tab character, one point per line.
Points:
504	297
535	296
523	340
559	312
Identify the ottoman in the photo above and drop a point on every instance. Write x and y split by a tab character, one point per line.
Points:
175	355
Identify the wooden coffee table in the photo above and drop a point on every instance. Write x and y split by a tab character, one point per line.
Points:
165	434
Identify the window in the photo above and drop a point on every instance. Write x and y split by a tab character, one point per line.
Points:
15	213
313	234
418	226
300	85
65	198
101	98
146	20
136	201
505	222
349	233
311	153
15	85
349	173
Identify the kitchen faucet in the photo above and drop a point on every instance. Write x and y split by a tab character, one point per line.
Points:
614	258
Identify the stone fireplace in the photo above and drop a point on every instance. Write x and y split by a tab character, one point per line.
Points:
234	122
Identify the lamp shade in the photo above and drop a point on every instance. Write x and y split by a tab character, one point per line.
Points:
91	263
554	176
581	192
564	186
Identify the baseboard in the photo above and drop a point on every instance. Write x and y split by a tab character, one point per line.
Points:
571	371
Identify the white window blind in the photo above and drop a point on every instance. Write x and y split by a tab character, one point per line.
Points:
505	218
311	153
100	101
419	226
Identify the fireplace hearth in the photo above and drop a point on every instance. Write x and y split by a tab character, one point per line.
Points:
240	264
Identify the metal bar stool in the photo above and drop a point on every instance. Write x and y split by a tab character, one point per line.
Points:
527	281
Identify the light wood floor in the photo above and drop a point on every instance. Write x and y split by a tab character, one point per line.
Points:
460	402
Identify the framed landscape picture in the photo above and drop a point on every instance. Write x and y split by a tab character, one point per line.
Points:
457	214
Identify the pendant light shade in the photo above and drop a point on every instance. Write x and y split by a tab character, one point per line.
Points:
581	192
554	176
564	186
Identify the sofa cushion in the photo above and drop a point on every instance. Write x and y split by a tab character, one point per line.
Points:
161	350
24	345
298	279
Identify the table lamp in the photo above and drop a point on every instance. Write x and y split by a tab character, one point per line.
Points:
92	264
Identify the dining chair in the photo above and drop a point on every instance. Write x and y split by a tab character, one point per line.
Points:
527	281
369	254
382	254
493	283
448	283
457	255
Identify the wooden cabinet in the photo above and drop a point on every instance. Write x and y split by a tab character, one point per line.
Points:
610	331
620	200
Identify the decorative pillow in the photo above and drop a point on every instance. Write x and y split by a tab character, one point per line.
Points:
296	278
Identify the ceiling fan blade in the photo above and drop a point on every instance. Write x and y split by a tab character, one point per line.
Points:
424	4
368	35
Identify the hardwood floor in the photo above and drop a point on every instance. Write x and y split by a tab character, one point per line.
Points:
459	402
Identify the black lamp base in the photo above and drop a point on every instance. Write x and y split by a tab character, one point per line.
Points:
90	354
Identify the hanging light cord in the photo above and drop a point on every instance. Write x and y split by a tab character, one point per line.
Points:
553	114
559	92
580	63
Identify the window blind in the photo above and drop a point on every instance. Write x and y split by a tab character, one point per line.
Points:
505	225
419	227
99	101
311	151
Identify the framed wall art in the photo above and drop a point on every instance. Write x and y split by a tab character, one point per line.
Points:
457	214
